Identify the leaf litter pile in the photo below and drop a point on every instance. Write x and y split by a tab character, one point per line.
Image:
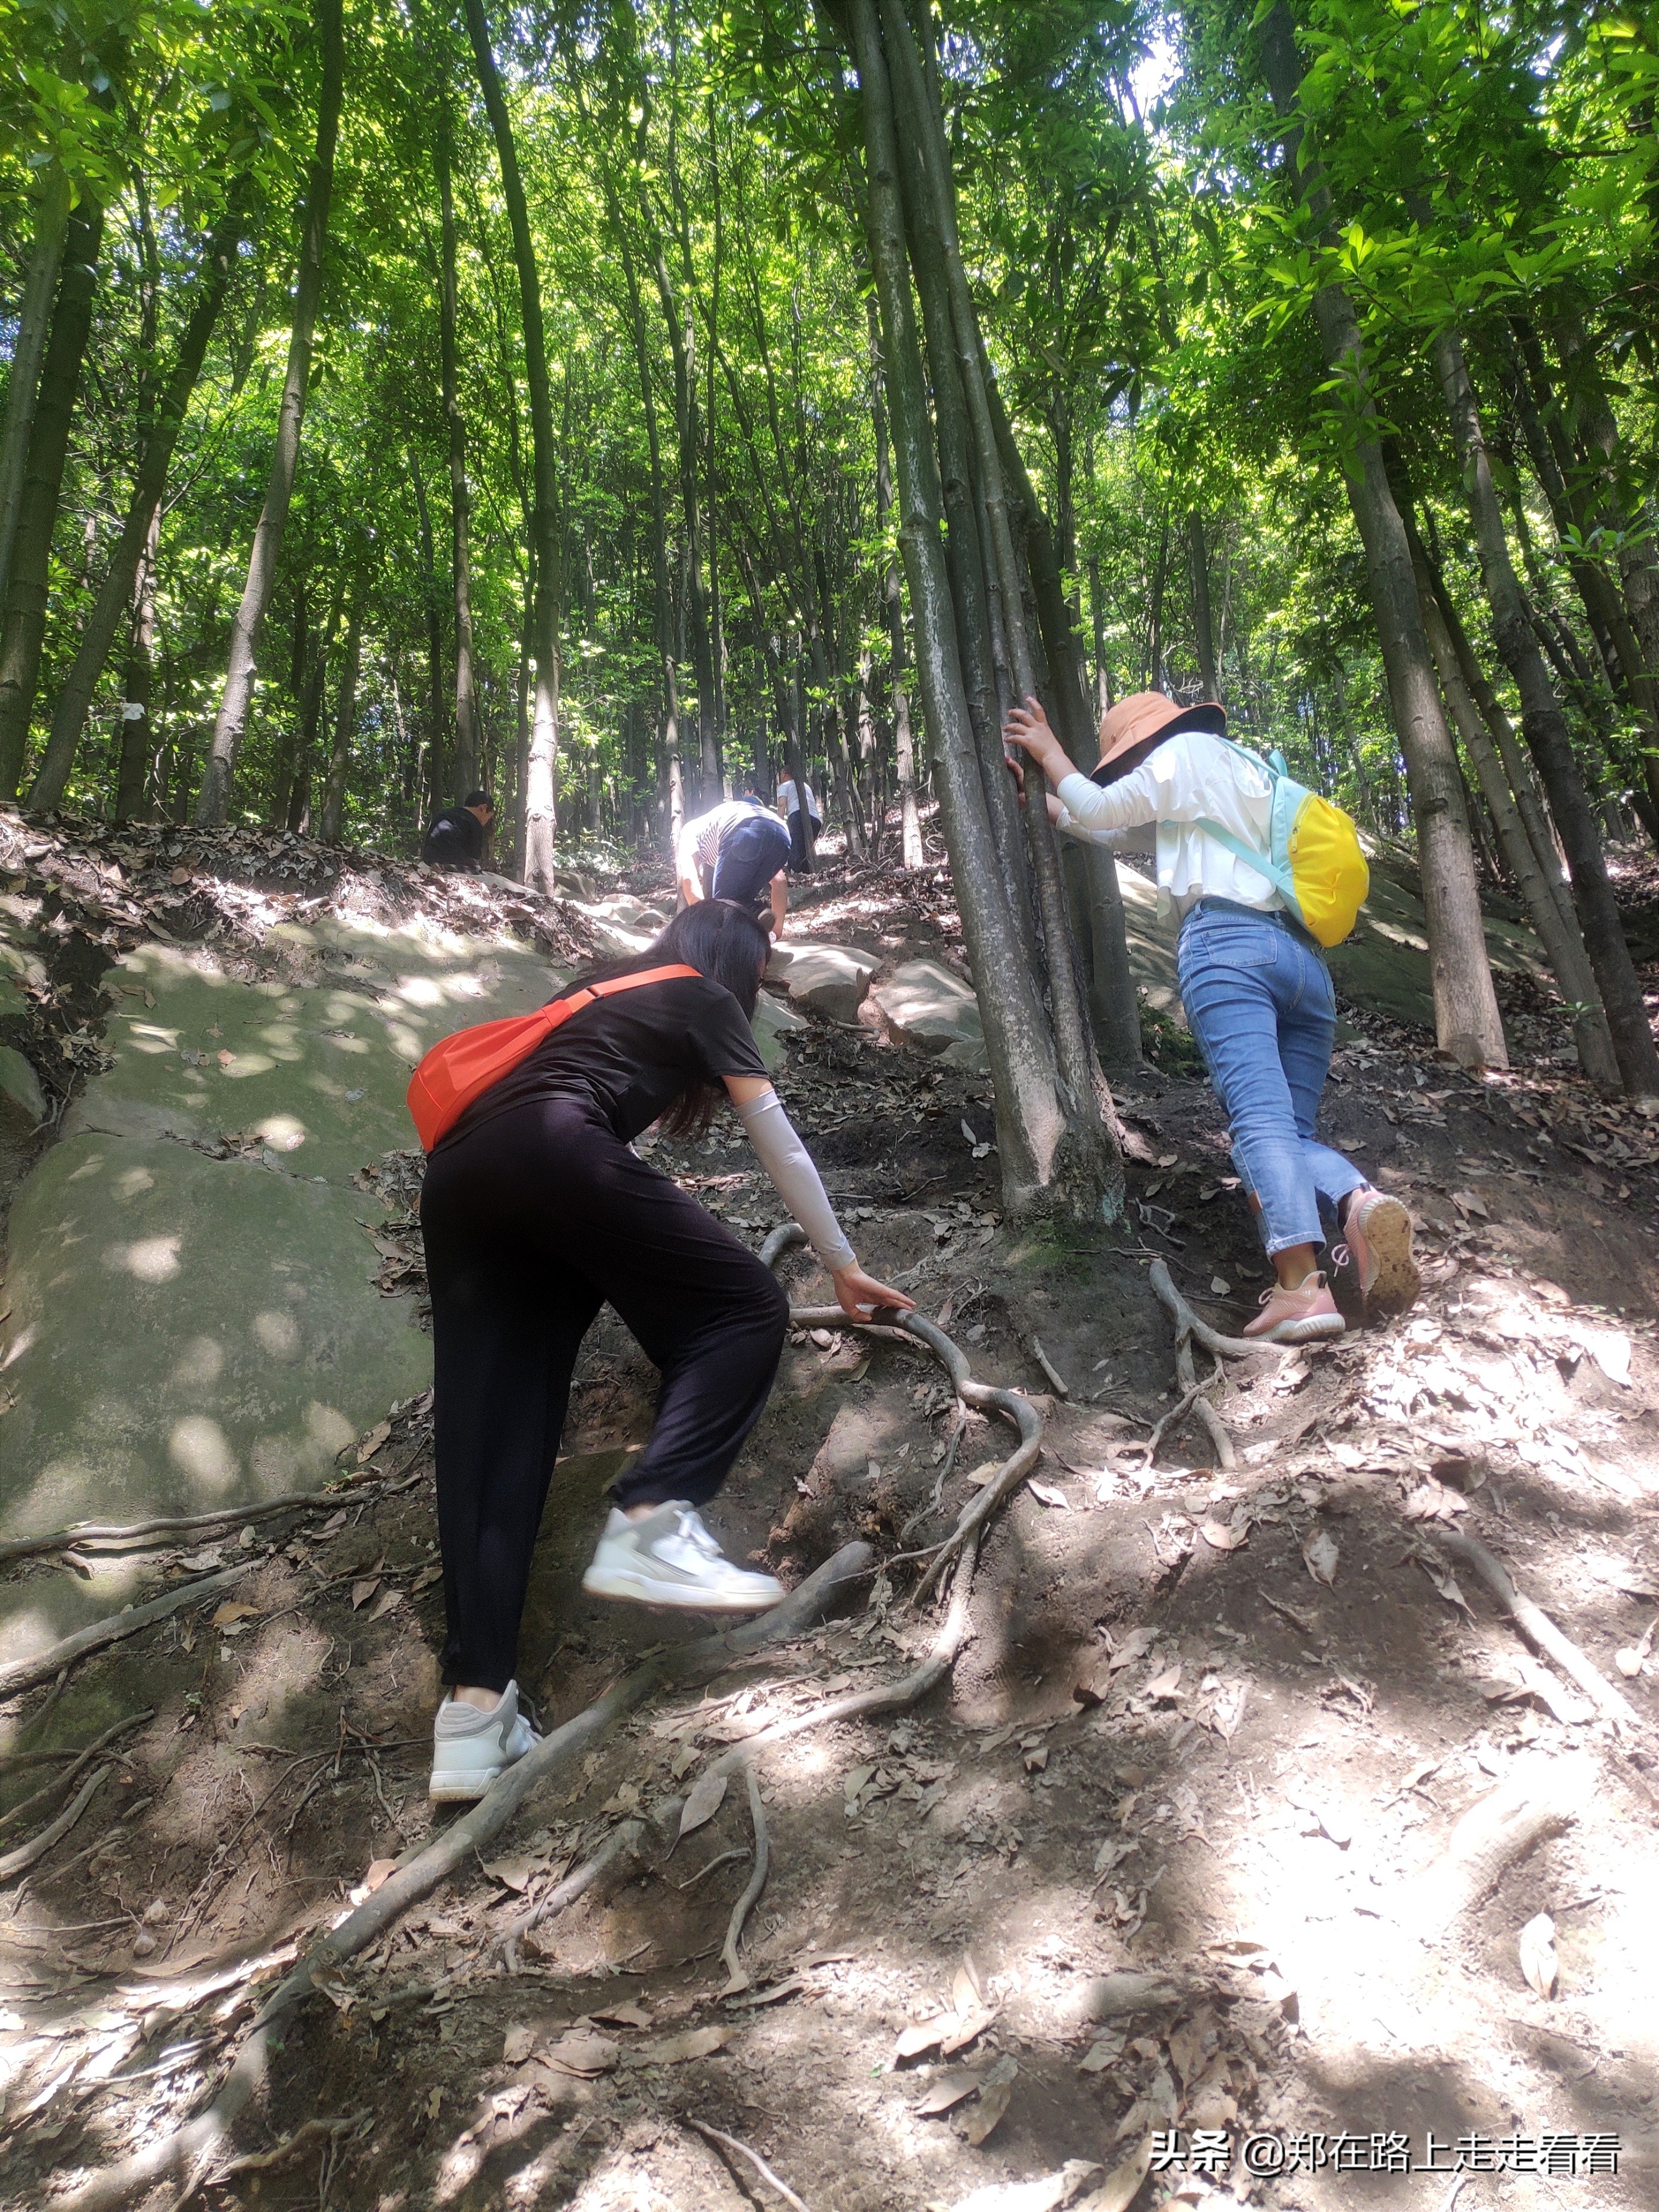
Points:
1276	1756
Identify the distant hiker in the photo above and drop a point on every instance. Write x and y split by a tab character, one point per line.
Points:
738	851
457	837
789	805
1253	982
537	1211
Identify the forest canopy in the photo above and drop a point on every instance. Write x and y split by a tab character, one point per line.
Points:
403	400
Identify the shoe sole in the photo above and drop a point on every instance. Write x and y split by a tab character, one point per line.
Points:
677	1597
1387	1230
461	1788
1310	1331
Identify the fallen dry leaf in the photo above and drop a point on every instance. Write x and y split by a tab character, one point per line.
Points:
376	1437
378	1870
1221	1537
582	2053
1538	1962
388	1602
1047	1493
994	2093
694	2043
1121	2185
362	1592
1630	1661
626	2014
1319	1556
948	2089
517	2045
512	1874
708	1796
230	1610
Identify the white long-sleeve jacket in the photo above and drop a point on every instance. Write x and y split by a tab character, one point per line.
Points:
1187	779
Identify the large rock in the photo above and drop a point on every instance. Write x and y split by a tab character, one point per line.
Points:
925	1005
188	1332
829	979
189	1328
22	1099
773	1022
312	1066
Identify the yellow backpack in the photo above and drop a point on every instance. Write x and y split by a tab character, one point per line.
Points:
1313	861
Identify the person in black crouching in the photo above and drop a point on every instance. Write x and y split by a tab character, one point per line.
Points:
457	837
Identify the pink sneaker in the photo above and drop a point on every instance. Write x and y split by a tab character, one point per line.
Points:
1378	1230
1298	1316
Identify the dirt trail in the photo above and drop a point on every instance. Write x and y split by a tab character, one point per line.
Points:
1150	1862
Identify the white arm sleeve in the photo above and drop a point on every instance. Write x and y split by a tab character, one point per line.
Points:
795	1178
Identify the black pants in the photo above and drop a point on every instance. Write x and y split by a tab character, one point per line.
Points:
797	859
531	1222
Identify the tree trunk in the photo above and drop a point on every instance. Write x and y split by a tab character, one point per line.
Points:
893	607
213	801
1077	1065
1098	905
540	812
332	823
1097	619
23	631
1544	726
522	719
144	510
1466	1023
1050	1157
439	782
1203	630
132	749
1560	935
34	322
468	738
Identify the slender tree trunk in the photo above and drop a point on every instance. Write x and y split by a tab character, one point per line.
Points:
1198	555
23	632
1047	1162
51	211
1558	933
1466	1023
1097	617
439	781
144	510
1077	1065
893	607
522	719
1545	727
332	823
468	739
540	812
132	750
236	702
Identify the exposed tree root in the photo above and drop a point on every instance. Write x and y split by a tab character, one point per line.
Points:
224	1517
26	1673
1225	1347
323	2131
622	1843
420	1872
38	1846
730	2143
61	1781
736	1978
1539	1801
1539	1631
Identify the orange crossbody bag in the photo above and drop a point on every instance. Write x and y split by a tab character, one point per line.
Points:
459	1069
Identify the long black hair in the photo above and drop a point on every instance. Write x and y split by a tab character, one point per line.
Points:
721	940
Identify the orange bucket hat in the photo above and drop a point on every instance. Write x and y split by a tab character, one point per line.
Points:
1138	723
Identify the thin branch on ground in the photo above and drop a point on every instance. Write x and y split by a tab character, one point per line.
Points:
731	2143
1223	1347
736	1978
1539	1631
26	1673
132	1532
622	1842
61	1781
1542	1798
261	2162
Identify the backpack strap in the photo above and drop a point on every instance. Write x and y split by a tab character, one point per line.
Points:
1252	859
586	996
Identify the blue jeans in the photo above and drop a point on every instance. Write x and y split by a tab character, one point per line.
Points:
1260	1001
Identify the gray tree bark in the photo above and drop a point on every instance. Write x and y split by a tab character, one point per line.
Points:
540	808
51	210
23	626
213	801
468	737
1466	1023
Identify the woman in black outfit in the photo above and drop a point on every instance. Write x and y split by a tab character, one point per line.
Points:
536	1211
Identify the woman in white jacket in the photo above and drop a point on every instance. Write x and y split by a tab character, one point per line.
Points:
1257	993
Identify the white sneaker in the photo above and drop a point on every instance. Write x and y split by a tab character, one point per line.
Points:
668	1557
470	1748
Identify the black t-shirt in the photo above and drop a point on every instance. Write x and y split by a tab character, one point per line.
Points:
632	1054
455	837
